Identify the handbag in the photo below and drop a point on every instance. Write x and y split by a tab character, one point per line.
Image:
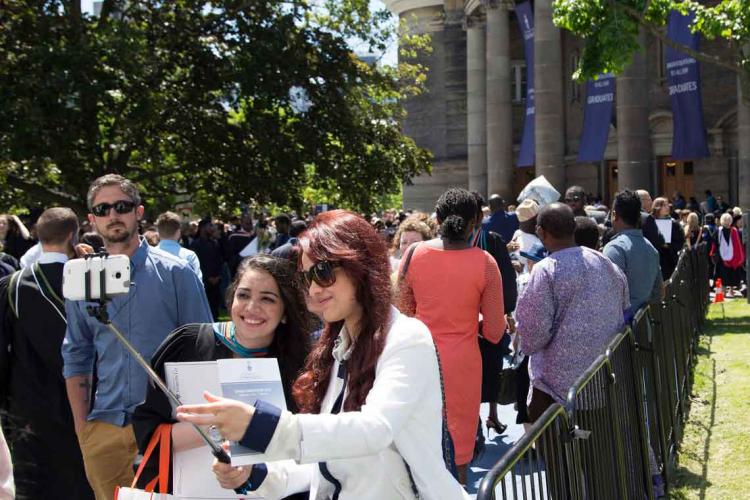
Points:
162	437
506	393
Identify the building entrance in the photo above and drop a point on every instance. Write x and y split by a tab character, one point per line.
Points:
675	175
612	184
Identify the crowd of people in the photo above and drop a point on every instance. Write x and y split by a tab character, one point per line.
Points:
389	331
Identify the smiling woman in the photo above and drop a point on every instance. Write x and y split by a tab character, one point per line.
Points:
268	318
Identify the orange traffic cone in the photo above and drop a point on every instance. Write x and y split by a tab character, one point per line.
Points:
718	292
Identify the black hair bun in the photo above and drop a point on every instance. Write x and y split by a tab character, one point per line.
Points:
454	227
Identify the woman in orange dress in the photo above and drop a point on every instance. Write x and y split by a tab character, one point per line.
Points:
447	283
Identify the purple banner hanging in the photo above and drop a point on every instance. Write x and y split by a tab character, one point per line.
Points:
526	23
597	115
683	74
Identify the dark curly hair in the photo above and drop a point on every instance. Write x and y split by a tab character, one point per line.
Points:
291	342
456	209
350	241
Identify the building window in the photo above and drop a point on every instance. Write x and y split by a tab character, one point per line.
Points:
575	88
518	81
660	61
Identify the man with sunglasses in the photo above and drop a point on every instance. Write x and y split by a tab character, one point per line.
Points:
575	198
164	294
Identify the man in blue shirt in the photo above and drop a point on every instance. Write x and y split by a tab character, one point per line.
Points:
500	221
633	253
164	294
169	226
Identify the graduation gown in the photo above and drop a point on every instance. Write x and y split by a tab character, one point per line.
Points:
37	419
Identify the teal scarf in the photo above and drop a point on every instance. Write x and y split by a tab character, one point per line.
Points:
224	332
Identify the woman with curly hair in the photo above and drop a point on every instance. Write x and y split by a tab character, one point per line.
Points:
370	397
447	283
411	230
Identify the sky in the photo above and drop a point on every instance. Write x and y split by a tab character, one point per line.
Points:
389	58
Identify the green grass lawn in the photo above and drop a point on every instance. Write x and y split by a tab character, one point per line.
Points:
714	459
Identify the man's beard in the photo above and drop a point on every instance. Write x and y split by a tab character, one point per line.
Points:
119	237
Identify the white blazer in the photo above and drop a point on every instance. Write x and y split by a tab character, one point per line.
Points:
365	450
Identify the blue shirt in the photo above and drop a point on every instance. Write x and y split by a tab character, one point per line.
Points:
503	223
173	247
164	294
639	261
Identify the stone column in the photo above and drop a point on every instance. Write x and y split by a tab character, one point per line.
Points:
743	145
548	95
633	131
476	110
499	110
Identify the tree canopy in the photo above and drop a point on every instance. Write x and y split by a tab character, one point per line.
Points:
609	29
218	101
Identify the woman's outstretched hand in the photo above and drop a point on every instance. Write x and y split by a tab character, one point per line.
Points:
229	416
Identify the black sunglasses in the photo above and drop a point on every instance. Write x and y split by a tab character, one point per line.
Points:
321	273
573	199
121	207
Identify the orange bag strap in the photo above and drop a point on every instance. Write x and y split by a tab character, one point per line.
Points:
164	457
162	436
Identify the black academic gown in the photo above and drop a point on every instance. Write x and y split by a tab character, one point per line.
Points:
492	354
37	419
194	342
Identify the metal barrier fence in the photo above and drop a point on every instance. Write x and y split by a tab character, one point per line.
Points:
623	419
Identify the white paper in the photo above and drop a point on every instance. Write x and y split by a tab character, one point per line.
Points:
665	229
247	380
192	477
250	249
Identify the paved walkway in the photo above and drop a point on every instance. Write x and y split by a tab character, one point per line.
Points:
495	446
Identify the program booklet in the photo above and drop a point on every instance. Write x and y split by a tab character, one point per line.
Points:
191	469
247	380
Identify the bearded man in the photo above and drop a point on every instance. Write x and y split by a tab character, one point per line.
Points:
164	294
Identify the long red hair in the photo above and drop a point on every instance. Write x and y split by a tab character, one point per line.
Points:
347	239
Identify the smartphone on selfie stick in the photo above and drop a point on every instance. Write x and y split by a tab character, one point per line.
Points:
99	277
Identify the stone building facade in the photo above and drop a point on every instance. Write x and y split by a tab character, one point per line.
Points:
471	116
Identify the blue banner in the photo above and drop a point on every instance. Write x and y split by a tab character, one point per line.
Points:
683	75
526	23
597	116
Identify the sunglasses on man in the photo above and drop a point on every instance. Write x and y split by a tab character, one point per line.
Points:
121	207
322	273
573	199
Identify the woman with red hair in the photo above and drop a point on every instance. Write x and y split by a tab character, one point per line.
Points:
370	394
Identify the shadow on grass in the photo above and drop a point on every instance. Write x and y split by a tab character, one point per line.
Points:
684	478
733	325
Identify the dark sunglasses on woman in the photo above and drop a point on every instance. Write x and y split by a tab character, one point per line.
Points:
121	207
321	273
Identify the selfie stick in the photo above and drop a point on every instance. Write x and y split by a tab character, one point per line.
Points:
100	312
